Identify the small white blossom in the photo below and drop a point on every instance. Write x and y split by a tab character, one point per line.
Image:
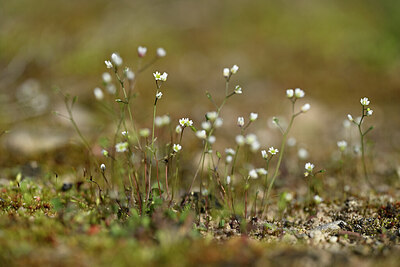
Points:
298	93
309	167
253	174
106	77
164	76
230	151
176	148
229	159
108	63
289	93
342	145
185	122
240	140
158	121
291	141
211	139
121	147
166	120
255	146
264	154
104	152
349	117
288	197
364	101
142	51
240	121
206	125
103	167
212	115
261	171
161	52
178	129
272	150
130	75
158	95
305	107
111	89
318	199
218	122
201	134
144	132
369	112
157	76
116	59
98	93
251	138
124	133
238	90
228	179
253	116
226	72
302	153
234	69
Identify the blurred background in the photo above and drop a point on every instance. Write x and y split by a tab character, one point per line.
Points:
337	51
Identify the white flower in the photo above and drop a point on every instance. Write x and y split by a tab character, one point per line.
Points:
272	150
264	154
229	159
251	138
185	122
253	174
103	167
164	76
255	146
369	112
302	153
212	115
240	121
176	148
116	59
226	72
121	147
178	129
309	167
288	197
261	171
104	152
240	140
289	93
349	117
298	93
201	134
234	69
318	199
144	132
211	139
130	75
165	120
106	77
342	145
111	89
228	179
124	133
291	141
161	52
218	122
142	51
346	124
364	101
230	151
98	93
108	63
253	116
158	95
158	121
305	107
206	125
157	76
238	90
